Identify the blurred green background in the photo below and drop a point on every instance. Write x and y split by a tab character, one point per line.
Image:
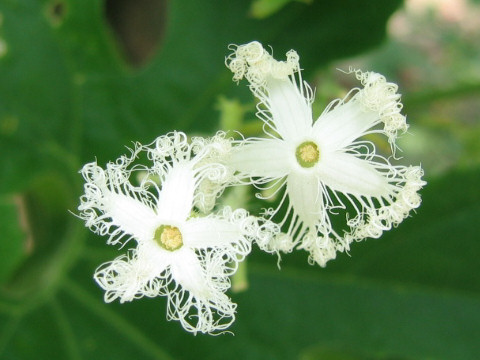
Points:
81	79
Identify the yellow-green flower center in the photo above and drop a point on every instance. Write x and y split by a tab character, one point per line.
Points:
168	237
307	154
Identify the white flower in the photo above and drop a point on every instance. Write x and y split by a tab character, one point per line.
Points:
324	165
184	257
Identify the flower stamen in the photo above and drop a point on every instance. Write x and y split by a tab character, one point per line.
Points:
168	237
307	154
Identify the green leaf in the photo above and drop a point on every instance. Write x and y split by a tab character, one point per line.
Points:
13	247
413	294
68	96
261	9
52	242
64	80
436	247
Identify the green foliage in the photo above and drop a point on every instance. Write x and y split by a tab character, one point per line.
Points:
261	9
64	80
12	247
409	295
67	96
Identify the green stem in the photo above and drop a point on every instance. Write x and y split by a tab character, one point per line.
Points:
112	319
251	128
240	278
67	333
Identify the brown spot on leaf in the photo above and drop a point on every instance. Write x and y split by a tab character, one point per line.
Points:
138	26
56	11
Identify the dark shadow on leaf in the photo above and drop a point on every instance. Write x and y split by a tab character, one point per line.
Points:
138	25
56	12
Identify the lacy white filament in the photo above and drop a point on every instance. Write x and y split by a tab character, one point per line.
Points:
324	165
180	255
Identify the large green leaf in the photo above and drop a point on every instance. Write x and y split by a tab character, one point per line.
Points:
435	247
409	295
63	79
14	247
68	96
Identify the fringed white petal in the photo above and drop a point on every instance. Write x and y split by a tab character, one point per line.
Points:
306	205
346	120
210	316
305	196
269	158
253	229
227	235
132	276
188	272
348	174
339	127
382	97
374	221
281	243
288	109
131	216
214	175
176	197
112	206
118	279
195	288
321	248
291	113
209	232
253	62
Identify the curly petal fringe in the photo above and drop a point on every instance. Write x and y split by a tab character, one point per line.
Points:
147	270
378	102
253	62
193	173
